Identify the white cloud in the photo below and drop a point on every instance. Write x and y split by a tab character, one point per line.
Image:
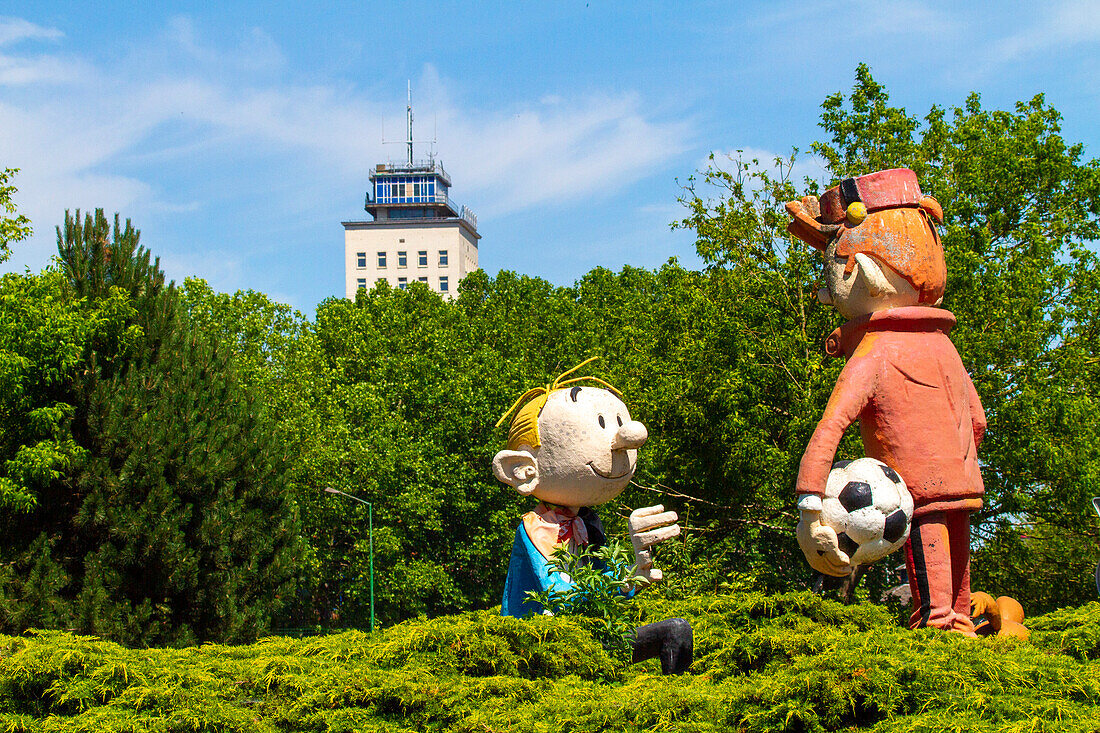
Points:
257	50
222	270
849	19
19	70
876	18
558	150
1073	22
13	30
185	126
16	72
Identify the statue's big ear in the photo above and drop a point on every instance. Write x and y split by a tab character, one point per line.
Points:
518	469
877	284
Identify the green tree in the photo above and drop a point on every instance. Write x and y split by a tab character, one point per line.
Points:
169	520
44	335
12	228
599	581
278	359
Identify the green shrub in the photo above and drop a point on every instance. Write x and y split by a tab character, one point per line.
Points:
792	662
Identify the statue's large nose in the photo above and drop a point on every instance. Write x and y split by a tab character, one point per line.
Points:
631	435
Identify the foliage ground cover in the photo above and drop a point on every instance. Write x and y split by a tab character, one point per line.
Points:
792	662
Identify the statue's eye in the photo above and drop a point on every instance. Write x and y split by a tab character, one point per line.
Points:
620	420
602	423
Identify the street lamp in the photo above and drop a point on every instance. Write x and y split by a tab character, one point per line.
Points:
370	533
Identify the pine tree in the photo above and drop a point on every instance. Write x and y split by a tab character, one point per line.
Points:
177	526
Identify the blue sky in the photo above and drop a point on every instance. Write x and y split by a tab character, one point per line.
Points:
238	136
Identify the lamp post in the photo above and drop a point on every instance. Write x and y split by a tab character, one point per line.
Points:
1096	506
370	534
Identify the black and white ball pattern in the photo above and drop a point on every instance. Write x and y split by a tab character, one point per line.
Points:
866	502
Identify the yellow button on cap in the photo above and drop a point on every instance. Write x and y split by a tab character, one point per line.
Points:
856	213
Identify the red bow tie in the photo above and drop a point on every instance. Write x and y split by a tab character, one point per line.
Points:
570	526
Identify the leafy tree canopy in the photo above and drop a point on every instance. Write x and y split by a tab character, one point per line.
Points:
12	228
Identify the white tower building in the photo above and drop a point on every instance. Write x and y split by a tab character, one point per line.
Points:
418	234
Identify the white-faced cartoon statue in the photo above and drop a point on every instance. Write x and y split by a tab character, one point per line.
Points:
572	447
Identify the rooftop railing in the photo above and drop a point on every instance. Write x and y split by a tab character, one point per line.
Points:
469	216
402	166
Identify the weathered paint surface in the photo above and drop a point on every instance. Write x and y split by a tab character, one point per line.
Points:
899	227
903	382
586	455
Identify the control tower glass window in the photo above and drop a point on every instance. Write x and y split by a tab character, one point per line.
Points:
405	190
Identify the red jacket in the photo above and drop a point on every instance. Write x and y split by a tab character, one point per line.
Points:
918	411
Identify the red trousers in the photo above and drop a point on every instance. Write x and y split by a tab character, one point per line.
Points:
937	557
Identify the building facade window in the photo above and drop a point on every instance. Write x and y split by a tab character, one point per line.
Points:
360	260
422	258
442	258
362	283
380	280
423	279
402	259
381	260
402	282
444	284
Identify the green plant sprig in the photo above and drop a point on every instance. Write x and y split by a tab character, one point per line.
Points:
602	584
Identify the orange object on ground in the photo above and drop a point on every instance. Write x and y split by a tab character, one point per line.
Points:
937	558
1003	617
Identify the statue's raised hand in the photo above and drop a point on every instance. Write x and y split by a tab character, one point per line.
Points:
648	526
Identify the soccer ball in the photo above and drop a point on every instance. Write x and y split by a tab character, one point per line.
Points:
866	502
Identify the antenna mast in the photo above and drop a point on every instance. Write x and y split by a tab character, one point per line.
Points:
408	141
409	115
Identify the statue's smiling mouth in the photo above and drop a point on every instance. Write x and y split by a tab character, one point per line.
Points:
601	474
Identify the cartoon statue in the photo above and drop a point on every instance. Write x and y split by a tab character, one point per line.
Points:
572	448
903	381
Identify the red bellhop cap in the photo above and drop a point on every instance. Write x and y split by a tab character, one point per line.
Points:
883	214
